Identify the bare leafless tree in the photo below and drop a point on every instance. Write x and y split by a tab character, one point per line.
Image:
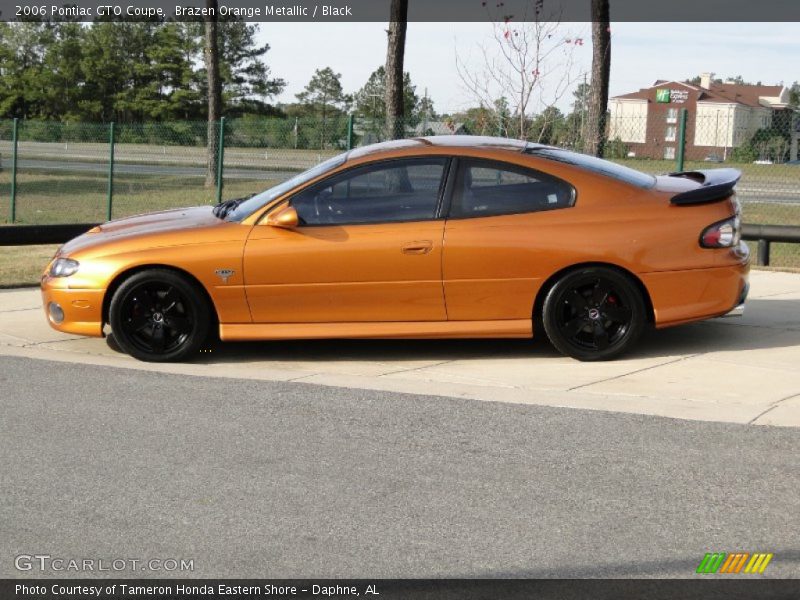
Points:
528	61
211	56
395	53
601	71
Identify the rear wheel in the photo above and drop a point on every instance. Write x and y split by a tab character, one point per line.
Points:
594	313
159	316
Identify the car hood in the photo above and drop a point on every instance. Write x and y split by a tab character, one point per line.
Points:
167	220
159	227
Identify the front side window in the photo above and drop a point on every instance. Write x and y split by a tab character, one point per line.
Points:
385	192
485	189
248	206
670	134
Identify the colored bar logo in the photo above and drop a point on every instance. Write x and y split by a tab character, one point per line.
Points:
662	96
722	562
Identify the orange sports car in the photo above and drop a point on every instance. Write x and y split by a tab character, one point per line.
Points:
451	236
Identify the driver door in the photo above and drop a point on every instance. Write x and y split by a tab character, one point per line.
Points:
368	248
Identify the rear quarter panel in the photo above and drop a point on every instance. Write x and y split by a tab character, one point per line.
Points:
494	267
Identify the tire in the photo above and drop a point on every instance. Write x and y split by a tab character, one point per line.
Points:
159	316
594	313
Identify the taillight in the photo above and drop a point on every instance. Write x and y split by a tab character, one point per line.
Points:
724	234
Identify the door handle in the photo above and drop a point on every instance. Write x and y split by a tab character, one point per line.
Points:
420	247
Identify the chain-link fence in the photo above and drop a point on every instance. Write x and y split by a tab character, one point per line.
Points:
86	172
67	172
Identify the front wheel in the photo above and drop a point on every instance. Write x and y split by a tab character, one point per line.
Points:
594	313
159	316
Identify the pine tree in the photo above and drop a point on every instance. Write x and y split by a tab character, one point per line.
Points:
324	97
601	72
370	99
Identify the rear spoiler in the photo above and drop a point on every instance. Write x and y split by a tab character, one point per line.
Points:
717	184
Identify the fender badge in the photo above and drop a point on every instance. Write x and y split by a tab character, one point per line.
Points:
224	274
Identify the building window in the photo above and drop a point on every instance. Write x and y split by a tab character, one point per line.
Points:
671	134
672	115
669	152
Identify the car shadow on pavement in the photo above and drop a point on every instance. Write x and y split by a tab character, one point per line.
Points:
768	323
341	350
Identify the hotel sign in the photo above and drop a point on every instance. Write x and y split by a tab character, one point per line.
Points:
664	96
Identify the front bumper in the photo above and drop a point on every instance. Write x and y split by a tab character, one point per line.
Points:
79	312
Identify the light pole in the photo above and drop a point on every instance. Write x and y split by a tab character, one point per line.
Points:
727	135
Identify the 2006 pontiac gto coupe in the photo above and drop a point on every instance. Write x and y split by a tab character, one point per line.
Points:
456	237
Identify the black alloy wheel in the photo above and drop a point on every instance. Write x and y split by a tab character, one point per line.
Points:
158	316
594	313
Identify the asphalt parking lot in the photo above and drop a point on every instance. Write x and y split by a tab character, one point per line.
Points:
278	479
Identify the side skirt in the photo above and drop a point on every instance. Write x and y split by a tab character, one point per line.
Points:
516	328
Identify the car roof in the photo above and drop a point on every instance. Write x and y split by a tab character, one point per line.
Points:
445	141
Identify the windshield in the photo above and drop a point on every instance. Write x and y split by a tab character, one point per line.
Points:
247	207
597	165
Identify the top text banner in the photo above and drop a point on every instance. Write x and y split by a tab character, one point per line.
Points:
419	10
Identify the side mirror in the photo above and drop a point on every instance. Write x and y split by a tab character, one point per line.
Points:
285	219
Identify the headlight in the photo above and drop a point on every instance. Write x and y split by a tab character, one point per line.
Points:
64	267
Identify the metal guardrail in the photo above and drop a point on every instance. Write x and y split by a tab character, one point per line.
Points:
766	235
28	235
25	235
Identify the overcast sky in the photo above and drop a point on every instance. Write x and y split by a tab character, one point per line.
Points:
641	53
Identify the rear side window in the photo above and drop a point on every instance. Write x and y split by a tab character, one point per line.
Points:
596	165
485	189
